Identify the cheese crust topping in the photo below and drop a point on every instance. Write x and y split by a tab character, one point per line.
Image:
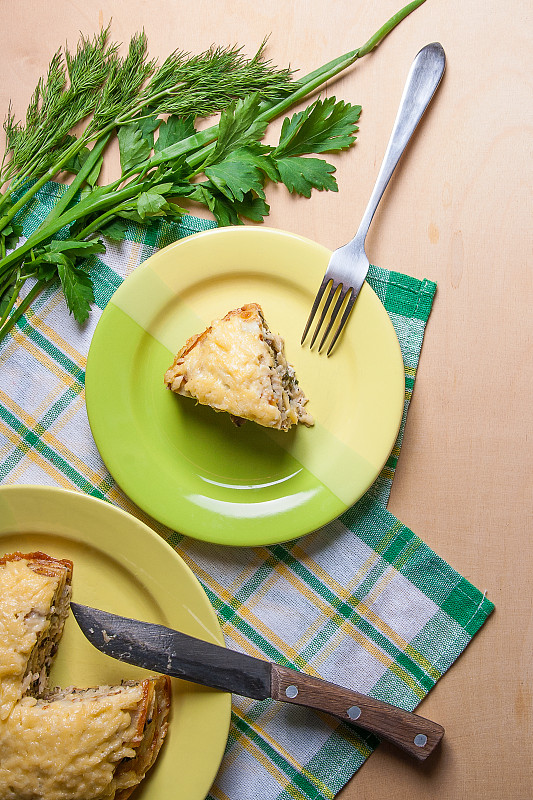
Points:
237	365
67	750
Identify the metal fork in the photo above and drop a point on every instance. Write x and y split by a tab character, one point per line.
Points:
348	265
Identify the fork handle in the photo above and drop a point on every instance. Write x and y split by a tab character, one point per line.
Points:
423	78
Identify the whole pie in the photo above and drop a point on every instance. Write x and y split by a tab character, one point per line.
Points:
71	744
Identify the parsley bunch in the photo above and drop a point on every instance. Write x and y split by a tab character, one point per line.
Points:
153	111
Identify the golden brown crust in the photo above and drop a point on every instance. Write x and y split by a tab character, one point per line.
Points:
152	723
39	562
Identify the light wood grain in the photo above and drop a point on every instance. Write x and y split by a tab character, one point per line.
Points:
458	211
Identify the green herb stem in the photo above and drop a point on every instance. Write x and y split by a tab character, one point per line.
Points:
66	199
22	308
73	150
388	27
15	293
328	71
99	221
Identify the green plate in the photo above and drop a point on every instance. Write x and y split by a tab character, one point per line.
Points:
122	566
188	466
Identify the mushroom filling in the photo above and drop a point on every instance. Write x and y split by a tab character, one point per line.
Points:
43	653
289	397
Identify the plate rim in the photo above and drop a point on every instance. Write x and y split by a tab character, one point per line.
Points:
120	474
147	535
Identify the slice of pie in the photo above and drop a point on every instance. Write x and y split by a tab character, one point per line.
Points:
239	366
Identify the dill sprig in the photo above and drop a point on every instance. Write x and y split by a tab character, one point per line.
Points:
62	100
119	96
201	85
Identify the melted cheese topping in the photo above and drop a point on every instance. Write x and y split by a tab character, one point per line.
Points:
229	370
66	750
25	600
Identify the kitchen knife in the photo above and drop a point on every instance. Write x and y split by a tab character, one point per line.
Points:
161	649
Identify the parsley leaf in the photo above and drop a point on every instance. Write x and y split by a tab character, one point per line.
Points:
75	282
252	207
151	204
324	126
237	174
147	126
74	248
223	211
58	259
229	212
301	175
134	148
45	271
115	229
77	288
239	126
174	130
11	234
76	162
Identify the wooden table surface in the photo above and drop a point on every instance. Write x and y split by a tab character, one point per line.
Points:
458	211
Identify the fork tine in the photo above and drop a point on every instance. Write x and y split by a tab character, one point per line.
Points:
325	308
316	303
340	299
345	315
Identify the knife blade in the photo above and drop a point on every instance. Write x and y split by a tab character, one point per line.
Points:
171	652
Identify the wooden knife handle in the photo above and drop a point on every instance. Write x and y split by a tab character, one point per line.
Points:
414	734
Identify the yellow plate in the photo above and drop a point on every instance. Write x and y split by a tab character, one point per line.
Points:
188	466
122	566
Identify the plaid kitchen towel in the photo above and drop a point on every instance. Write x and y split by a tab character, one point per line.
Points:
362	602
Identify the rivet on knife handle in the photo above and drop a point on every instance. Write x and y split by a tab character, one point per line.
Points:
414	734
